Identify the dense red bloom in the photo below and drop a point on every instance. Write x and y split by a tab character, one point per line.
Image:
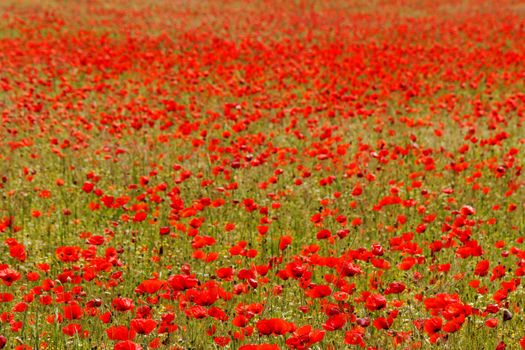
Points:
471	248
304	337
206	296
275	326
182	282
242	170
67	253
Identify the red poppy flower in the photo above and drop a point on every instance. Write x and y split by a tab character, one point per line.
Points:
197	312
433	325
225	273
143	325
350	269
149	286
18	251
491	323
222	341
355	336
105	317
122	304
375	302
284	242
120	333
127	345
6	297
96	240
8	276
335	322
72	311
72	329
482	268
452	326
522	342
383	323
304	337
240	321
319	291
182	282
88	187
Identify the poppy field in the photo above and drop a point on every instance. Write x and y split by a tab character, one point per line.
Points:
262	174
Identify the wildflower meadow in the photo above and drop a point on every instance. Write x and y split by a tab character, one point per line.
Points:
262	175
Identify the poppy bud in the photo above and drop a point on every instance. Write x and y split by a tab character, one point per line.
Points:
507	315
363	322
